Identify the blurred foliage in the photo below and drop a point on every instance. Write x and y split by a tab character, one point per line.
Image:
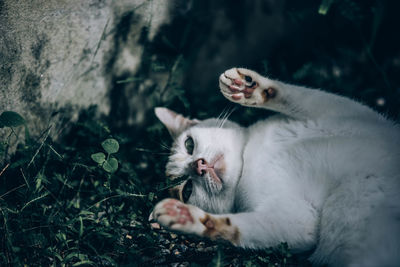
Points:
60	206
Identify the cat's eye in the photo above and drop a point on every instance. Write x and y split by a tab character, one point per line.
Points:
189	145
248	78
187	190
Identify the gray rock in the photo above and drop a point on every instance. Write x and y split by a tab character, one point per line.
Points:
59	57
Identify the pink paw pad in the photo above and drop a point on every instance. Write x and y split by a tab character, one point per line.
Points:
177	209
237	96
240	89
238	82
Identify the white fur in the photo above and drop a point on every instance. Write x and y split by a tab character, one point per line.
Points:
323	175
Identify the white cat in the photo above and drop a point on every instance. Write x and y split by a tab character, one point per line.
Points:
324	175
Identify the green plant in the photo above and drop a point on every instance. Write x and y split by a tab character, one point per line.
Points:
11	119
109	163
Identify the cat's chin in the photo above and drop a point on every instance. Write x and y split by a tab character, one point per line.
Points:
214	176
214	183
217	170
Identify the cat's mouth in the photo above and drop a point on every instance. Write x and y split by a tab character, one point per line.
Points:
211	172
216	169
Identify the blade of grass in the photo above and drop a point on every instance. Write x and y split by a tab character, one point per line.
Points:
34	200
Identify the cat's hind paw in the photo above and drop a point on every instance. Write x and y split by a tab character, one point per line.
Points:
246	87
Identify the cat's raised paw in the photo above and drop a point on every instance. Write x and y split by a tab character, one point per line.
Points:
246	87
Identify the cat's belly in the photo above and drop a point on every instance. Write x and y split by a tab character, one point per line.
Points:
298	158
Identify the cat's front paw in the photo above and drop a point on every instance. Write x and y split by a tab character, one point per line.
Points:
175	215
246	87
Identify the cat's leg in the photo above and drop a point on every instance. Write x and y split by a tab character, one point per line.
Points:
249	88
248	230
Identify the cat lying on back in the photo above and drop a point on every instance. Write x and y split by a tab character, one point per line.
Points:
324	174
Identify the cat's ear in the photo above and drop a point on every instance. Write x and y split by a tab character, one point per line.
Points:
174	122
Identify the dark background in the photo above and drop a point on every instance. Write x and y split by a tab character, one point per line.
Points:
353	50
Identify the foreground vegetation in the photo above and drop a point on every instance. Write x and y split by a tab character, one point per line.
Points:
86	202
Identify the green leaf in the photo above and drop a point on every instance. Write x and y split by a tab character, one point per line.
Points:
324	7
110	165
27	134
16	249
70	256
19	163
84	262
151	196
110	145
11	119
98	157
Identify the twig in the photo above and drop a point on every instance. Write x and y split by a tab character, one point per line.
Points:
12	190
12	130
36	227
55	152
101	39
26	181
3	170
40	147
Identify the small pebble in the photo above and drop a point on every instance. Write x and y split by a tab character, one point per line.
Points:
165	252
182	248
177	253
155	226
201	244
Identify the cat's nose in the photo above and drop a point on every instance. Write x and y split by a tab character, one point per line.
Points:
200	166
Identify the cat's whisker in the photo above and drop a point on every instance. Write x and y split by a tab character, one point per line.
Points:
222	115
223	112
151	151
165	146
227	116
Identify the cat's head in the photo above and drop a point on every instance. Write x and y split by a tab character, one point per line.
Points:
209	154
